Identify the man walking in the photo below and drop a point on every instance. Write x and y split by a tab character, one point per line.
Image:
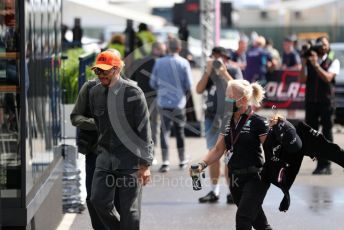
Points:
124	145
87	141
172	79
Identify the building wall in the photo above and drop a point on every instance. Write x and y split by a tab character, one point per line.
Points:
324	15
252	17
30	176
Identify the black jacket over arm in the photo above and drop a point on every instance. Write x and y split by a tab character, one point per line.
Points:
285	148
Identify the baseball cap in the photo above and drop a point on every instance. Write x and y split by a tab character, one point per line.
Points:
107	60
220	50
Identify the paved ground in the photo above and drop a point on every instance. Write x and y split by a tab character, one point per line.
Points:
317	202
170	203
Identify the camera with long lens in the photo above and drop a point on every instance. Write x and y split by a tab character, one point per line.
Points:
306	50
217	63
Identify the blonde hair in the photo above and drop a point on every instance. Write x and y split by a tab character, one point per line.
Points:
261	41
253	92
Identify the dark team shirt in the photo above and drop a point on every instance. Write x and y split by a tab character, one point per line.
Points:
291	59
247	149
236	57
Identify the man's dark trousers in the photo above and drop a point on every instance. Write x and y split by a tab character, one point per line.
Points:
117	198
90	166
320	114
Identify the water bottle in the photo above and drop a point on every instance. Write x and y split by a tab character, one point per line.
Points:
196	177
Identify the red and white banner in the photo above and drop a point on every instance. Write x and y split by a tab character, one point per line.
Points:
284	90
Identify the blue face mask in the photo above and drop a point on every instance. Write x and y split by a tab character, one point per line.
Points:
233	103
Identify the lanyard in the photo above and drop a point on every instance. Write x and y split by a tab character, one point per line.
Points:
235	131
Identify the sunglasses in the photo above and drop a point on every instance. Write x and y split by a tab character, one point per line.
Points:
99	71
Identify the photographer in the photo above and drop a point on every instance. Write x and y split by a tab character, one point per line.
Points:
319	68
214	83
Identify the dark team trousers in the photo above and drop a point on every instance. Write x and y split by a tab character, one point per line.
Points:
320	114
116	196
314	144
248	191
90	166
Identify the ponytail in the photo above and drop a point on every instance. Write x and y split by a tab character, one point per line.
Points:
254	92
257	94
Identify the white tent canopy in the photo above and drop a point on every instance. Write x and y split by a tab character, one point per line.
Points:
100	13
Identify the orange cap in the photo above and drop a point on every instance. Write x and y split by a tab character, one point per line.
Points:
107	60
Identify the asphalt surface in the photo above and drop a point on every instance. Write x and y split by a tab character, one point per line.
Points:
317	202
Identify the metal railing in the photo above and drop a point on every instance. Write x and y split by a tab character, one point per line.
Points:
84	61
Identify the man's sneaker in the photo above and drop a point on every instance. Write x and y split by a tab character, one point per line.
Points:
210	197
230	199
322	171
164	168
183	164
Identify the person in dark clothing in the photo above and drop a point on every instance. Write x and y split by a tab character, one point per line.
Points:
258	62
318	72
143	70
290	59
245	161
284	149
77	32
86	141
82	118
238	57
183	35
183	31
124	145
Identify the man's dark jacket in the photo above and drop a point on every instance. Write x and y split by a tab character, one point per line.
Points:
81	117
122	120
